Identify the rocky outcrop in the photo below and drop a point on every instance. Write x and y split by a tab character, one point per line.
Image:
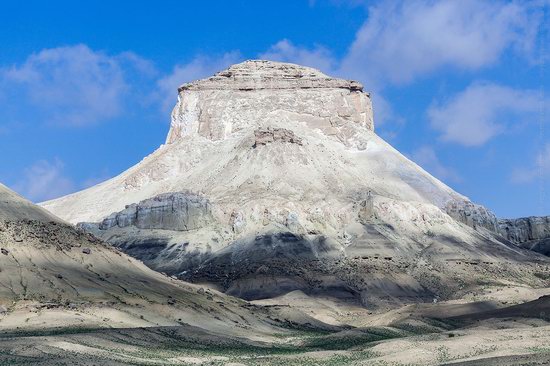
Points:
46	235
251	93
263	74
179	211
237	222
525	229
471	214
528	232
366	209
269	135
302	189
531	233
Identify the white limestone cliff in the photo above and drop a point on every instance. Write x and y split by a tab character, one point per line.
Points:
210	149
258	93
292	170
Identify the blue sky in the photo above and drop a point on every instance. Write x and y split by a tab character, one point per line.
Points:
461	87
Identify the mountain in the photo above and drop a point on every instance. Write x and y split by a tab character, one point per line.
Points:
55	276
532	233
15	207
272	179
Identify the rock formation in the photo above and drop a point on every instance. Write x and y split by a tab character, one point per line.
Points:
296	192
253	93
472	215
529	232
269	135
525	229
54	276
179	211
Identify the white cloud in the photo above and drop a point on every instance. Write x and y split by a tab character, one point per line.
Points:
318	57
131	61
426	157
481	111
44	180
402	40
321	58
74	85
383	111
399	42
540	169
199	67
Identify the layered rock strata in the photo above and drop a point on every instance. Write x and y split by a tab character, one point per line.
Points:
529	232
254	92
55	279
301	195
180	211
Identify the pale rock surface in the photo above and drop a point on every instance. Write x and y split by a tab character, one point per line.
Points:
210	150
472	214
180	211
262	74
258	93
54	276
303	195
269	135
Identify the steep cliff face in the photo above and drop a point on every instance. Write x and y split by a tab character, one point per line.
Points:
525	229
529	232
267	134
299	191
180	211
255	93
471	214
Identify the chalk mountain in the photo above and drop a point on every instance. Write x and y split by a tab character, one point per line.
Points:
272	179
55	276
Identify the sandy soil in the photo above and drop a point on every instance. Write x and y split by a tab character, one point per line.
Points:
430	334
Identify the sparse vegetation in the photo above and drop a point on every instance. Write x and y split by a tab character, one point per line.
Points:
539	349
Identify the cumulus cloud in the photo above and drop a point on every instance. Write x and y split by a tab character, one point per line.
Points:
321	58
427	158
481	111
402	40
318	57
74	85
48	179
199	67
44	180
540	169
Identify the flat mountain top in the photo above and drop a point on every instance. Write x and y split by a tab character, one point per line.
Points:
278	182
261	74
